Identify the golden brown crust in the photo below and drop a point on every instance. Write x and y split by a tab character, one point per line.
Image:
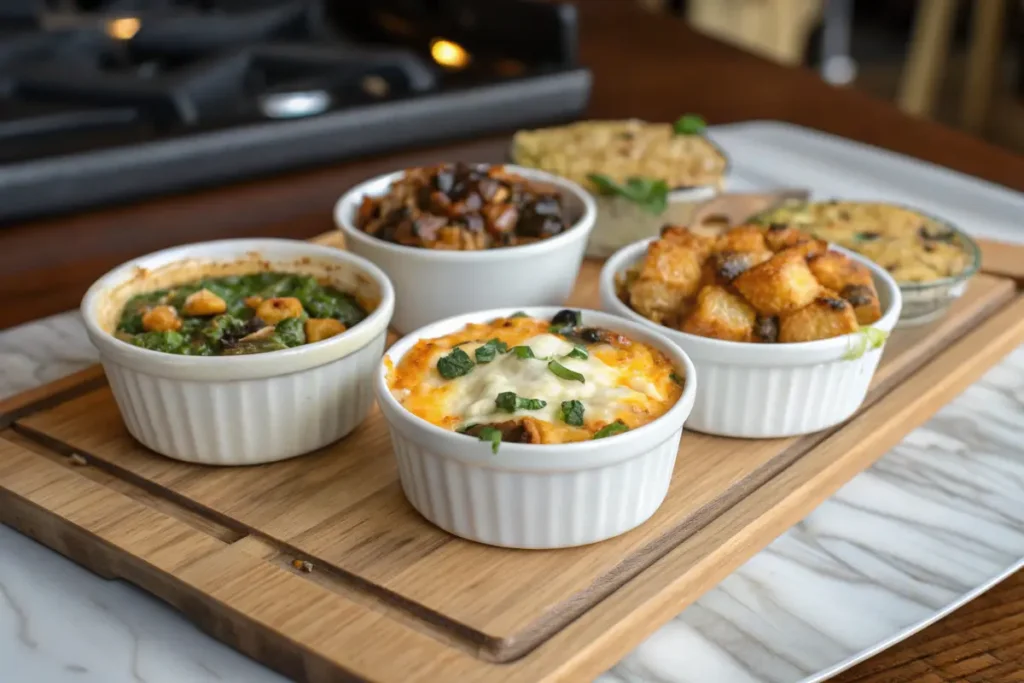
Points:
745	292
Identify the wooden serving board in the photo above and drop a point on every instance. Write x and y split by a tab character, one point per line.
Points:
392	598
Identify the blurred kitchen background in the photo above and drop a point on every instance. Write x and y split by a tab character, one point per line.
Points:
960	62
103	101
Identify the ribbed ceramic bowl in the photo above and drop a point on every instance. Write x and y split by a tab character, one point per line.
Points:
432	284
241	410
764	391
536	496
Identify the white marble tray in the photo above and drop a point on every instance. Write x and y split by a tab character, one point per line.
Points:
937	520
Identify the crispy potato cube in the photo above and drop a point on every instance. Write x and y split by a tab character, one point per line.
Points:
669	275
781	284
272	311
161	319
687	238
721	315
864	300
724	267
657	301
780	236
253	302
318	329
835	271
809	249
825	317
204	302
741	239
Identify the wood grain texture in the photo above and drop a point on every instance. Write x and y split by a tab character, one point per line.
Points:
319	628
342	510
46	265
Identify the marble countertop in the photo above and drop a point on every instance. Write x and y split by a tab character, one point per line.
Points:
933	523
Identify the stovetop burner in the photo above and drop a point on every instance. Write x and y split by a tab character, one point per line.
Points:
104	100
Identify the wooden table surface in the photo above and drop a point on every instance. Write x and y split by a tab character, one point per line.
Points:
644	66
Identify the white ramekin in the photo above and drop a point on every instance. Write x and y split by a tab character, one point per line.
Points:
243	410
433	284
536	496
762	391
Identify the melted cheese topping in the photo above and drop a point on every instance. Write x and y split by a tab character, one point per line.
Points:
624	380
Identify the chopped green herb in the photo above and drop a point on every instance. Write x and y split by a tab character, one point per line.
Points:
510	403
519	314
689	124
465	428
649	195
578	352
572	413
493	435
678	379
612	429
867	339
291	332
487	352
560	370
167	341
523	352
455	364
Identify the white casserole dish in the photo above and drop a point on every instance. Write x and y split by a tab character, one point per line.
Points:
543	495
432	284
762	391
241	410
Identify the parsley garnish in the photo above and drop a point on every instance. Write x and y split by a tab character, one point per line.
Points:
868	339
689	124
493	435
650	195
487	352
455	364
612	429
677	378
560	370
572	413
510	403
519	314
578	352
523	352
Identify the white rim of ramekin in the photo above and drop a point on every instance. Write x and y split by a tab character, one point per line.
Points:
545	457
745	353
345	209
221	368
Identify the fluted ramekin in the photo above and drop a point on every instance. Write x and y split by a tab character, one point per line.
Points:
433	284
763	391
241	410
536	495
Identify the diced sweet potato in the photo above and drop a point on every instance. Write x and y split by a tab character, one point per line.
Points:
782	284
273	311
204	302
825	317
318	329
721	315
742	238
161	319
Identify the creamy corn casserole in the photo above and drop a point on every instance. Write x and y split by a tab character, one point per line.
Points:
753	283
632	158
911	246
527	380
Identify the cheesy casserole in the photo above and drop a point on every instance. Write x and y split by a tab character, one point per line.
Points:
527	380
